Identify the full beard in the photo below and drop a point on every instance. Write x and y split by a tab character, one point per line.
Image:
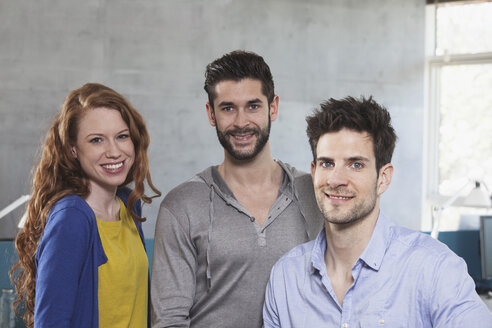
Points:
262	136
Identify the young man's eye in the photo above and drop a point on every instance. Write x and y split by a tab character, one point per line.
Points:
226	109
357	165
254	106
326	164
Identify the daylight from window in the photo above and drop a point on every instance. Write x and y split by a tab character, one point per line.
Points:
464	28
465	127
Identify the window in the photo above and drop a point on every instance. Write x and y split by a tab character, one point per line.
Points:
459	68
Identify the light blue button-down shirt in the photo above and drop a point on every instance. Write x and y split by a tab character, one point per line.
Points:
402	279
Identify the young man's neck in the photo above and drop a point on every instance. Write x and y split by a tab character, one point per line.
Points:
262	168
345	243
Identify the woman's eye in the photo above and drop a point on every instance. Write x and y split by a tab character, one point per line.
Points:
123	136
95	140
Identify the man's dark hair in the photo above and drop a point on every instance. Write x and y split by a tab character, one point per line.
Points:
235	66
361	115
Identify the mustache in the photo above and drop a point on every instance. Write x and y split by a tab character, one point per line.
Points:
242	131
339	191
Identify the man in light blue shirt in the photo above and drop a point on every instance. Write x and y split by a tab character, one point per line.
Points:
362	270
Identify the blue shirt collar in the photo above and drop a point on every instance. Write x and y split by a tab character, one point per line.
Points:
318	254
378	244
372	255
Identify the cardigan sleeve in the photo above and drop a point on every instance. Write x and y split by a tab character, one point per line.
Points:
61	255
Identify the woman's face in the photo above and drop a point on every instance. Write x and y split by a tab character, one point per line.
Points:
104	148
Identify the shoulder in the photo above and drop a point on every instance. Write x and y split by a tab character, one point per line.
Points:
295	261
194	192
304	183
302	180
299	252
71	205
425	252
70	220
418	242
441	276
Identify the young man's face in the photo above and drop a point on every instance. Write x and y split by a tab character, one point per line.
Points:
242	117
346	183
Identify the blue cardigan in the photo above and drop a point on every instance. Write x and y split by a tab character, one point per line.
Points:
67	261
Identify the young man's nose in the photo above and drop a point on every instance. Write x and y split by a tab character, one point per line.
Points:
241	119
337	177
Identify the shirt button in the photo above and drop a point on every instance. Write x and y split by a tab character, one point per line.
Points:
381	321
345	325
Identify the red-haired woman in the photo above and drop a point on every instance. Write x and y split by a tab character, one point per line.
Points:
82	259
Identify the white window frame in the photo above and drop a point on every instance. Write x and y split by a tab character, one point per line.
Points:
433	66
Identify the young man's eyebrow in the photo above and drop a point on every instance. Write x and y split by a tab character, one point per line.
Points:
254	101
225	104
358	159
349	159
230	103
324	159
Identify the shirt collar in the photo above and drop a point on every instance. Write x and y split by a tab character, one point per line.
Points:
318	254
376	248
372	255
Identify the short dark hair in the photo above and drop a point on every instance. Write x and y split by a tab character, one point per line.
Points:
235	66
361	115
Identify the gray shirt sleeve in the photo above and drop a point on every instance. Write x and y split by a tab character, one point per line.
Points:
173	271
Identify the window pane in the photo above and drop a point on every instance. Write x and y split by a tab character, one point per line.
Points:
465	28
465	143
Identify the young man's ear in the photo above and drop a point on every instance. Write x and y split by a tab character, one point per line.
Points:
210	114
313	170
384	178
274	108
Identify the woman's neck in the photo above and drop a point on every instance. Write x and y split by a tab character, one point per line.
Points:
104	203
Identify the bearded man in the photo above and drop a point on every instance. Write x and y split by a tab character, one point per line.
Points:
219	234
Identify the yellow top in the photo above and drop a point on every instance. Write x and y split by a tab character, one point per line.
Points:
123	280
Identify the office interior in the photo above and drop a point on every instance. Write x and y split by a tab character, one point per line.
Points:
155	52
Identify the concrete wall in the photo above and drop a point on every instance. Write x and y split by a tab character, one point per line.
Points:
154	52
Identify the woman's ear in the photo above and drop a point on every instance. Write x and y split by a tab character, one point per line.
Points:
73	151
